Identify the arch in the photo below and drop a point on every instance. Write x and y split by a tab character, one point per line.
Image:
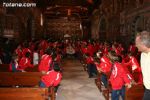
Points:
137	24
103	28
147	24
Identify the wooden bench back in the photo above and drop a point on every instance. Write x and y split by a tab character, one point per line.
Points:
5	68
23	93
20	78
34	69
136	92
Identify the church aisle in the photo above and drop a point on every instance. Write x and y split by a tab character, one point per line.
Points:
75	84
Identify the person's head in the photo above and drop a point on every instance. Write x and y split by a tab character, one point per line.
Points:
54	55
27	54
142	41
130	54
118	59
48	51
14	58
99	54
56	67
111	54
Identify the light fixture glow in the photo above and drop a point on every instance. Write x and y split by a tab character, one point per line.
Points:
41	20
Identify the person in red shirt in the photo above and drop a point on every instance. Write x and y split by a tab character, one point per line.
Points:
52	78
26	49
104	67
13	66
46	60
135	68
119	79
18	51
25	62
92	71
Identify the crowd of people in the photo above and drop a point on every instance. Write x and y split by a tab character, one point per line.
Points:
100	57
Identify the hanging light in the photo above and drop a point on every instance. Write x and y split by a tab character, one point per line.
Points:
90	1
80	26
41	19
69	12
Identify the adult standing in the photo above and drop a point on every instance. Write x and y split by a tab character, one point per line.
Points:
142	42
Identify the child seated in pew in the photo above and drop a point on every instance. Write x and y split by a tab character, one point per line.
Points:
25	62
46	60
91	67
13	66
119	79
52	78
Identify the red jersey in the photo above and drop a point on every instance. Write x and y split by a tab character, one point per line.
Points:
25	50
90	49
136	69
58	58
18	51
84	50
24	63
135	65
132	48
52	78
45	62
118	76
89	60
105	64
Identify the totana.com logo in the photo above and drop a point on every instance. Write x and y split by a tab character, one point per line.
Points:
19	4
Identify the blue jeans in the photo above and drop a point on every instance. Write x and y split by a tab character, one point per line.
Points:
91	70
41	84
146	94
116	93
104	80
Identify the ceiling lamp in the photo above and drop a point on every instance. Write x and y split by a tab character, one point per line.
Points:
69	12
41	19
90	1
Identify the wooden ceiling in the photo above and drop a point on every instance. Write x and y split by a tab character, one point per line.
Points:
62	8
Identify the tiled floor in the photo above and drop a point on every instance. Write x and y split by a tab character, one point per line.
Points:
75	84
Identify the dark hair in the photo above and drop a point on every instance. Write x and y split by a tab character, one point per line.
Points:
48	51
54	55
118	58
112	52
56	67
27	54
14	56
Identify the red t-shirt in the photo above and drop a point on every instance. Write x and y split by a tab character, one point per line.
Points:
45	63
118	76
52	78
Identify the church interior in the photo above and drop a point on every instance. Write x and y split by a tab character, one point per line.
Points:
67	49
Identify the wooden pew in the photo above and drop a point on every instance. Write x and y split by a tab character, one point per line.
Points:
23	93
5	68
105	91
34	69
19	78
136	92
98	82
23	79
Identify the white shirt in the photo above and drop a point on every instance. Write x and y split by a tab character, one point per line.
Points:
35	58
145	65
